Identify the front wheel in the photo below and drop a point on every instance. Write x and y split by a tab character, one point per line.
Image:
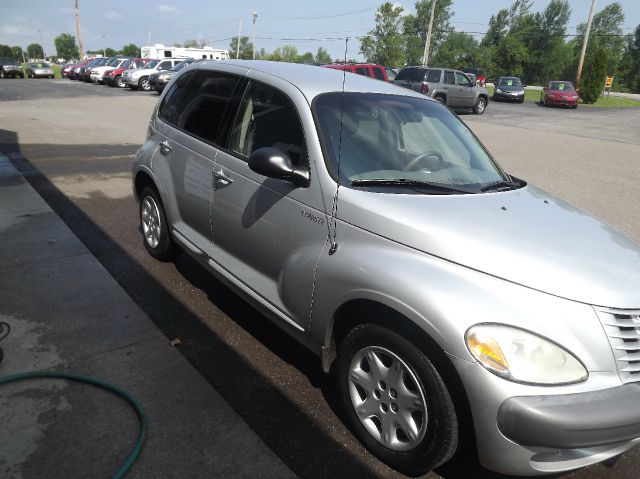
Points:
480	106
119	83
153	223
395	401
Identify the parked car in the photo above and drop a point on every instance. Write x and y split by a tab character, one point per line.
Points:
560	93
74	72
66	69
370	70
114	77
435	285
392	72
479	74
97	73
508	89
85	72
39	70
159	80
11	69
139	78
450	87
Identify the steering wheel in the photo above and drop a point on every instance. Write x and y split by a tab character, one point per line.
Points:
419	158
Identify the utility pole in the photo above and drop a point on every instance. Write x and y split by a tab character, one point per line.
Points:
255	15
42	44
238	45
104	36
427	44
78	29
584	43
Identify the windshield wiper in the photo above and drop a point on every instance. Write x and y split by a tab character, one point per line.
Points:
409	183
497	185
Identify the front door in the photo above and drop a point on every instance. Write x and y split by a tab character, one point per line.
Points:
465	90
268	232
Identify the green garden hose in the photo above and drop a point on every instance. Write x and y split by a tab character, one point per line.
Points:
101	384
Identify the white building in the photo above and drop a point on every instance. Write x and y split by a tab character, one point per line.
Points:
158	50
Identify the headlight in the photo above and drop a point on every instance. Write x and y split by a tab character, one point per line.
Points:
163	76
521	356
498	90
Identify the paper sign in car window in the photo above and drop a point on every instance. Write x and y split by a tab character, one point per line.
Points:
561	86
509	82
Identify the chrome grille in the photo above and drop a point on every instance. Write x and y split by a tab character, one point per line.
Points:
623	330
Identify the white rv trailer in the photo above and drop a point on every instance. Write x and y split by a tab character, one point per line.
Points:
158	50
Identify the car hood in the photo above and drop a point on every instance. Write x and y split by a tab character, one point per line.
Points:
510	88
561	93
525	236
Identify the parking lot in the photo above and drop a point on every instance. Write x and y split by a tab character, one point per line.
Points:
75	142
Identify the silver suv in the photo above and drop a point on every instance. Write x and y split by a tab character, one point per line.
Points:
368	222
450	87
138	79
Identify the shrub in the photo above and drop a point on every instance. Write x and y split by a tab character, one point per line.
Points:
593	84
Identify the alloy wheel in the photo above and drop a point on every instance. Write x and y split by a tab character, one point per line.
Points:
151	223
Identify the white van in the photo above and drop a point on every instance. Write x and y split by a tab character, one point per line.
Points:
160	51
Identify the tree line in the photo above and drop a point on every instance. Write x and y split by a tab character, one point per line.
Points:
536	46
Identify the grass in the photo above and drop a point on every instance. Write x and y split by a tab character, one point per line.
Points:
602	102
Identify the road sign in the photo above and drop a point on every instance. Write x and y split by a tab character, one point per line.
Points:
609	82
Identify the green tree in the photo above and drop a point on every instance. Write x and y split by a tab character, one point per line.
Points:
459	50
593	82
110	52
289	53
192	43
498	28
66	46
322	56
415	29
385	44
130	50
306	58
5	51
16	52
630	63
35	51
246	48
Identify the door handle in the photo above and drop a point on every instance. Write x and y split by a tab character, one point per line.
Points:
165	147
220	177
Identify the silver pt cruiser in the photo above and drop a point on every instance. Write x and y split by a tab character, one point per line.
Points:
371	224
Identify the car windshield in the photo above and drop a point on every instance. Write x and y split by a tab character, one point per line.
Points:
39	65
393	139
151	64
126	64
561	86
181	65
113	62
506	81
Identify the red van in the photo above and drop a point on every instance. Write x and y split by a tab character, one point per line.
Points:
365	69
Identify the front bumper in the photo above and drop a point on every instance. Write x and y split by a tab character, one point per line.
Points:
572	421
508	97
561	101
42	73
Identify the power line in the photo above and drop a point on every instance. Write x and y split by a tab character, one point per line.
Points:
315	17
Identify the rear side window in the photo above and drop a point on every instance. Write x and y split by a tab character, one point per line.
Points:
411	74
378	73
170	106
433	76
165	65
364	71
449	78
266	117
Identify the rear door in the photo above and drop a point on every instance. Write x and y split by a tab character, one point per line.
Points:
268	232
187	152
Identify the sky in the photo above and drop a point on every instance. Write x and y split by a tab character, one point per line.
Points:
306	25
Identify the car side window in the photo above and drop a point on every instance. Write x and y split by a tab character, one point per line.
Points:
462	79
449	78
164	65
433	76
364	71
377	72
201	111
267	117
170	106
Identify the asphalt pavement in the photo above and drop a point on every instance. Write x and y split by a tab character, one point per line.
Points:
67	314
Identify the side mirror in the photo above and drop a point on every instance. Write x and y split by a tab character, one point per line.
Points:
472	84
275	163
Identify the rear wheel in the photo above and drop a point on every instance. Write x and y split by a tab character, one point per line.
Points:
395	400
153	223
118	82
143	83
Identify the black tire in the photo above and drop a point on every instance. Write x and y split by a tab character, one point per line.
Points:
143	84
521	101
117	81
480	106
440	99
437	440
164	250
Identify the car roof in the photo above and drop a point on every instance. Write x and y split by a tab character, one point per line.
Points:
311	80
